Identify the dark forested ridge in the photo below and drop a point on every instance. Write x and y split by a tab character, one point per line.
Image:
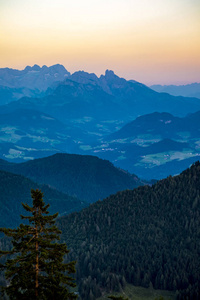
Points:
87	177
15	189
146	236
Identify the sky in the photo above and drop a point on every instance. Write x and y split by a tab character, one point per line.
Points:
151	41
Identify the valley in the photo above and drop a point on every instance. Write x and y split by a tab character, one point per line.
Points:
119	162
150	134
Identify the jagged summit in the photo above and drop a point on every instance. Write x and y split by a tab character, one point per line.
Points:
34	68
34	77
111	78
107	82
84	77
109	73
58	68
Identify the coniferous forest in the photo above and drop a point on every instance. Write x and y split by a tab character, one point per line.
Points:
100	150
146	236
96	147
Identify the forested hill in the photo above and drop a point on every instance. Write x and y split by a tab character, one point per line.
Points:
15	189
149	235
87	177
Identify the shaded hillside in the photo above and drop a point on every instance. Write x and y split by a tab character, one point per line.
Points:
160	125
8	94
27	134
15	189
146	236
163	125
153	146
86	177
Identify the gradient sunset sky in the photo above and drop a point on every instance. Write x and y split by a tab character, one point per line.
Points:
151	41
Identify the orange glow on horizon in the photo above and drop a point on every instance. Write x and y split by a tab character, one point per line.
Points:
153	44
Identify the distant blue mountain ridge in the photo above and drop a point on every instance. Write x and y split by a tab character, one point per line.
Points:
187	90
30	82
106	116
35	77
153	146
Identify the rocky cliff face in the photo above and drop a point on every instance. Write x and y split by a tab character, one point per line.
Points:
35	77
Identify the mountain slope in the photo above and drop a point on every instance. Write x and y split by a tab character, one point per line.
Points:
188	90
28	133
164	125
101	105
153	146
15	189
87	177
8	94
33	77
91	108
146	236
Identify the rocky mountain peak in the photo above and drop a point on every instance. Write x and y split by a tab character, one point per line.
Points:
84	77
110	74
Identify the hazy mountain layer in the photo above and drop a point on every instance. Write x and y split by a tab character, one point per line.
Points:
30	82
27	134
188	90
77	114
8	94
33	77
102	105
153	146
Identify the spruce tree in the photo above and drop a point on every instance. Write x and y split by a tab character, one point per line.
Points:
35	269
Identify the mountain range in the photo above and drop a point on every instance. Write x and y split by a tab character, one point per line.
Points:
153	146
101	105
141	233
35	77
188	90
85	114
30	82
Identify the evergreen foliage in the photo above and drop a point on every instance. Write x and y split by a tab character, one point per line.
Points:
148	236
36	270
87	177
15	189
